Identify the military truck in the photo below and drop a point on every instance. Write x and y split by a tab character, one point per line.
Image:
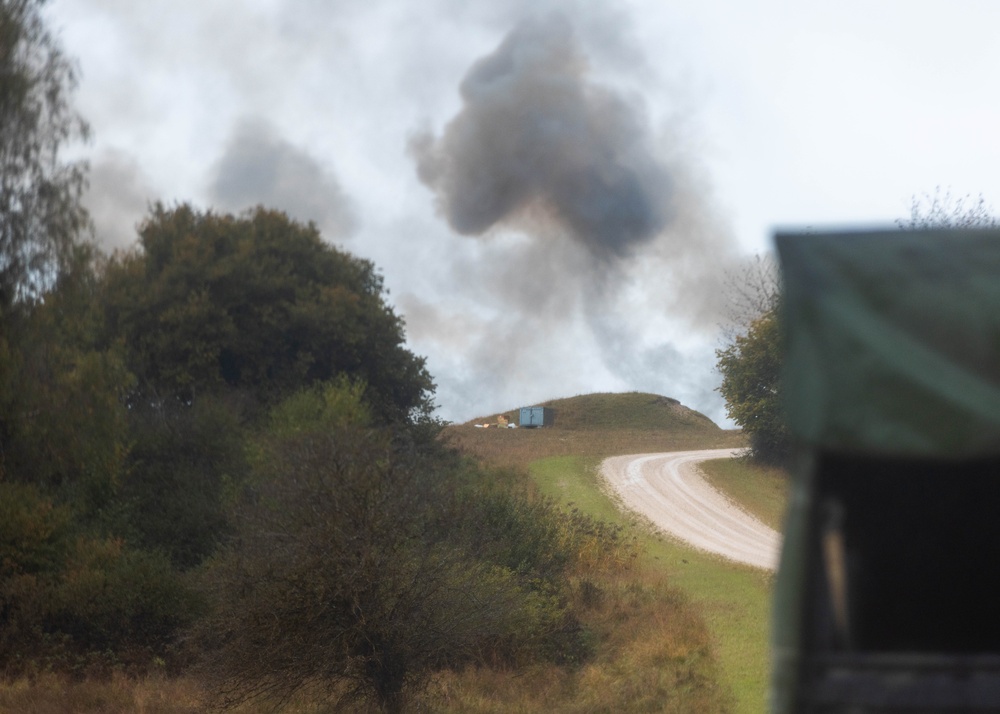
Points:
888	592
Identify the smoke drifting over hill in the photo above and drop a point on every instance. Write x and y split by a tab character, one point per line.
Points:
591	235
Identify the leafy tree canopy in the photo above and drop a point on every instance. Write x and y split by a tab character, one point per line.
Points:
260	304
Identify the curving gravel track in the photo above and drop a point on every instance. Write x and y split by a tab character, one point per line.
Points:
668	489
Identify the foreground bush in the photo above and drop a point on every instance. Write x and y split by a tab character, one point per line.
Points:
341	572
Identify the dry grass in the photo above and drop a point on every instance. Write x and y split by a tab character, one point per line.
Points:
57	694
654	655
54	694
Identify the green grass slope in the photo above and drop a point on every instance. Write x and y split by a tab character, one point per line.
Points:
608	410
762	491
733	600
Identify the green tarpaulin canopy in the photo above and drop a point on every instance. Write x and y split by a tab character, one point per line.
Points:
893	341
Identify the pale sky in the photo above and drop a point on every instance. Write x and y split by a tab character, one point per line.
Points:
707	123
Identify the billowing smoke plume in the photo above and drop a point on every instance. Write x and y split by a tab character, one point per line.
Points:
258	167
537	141
596	244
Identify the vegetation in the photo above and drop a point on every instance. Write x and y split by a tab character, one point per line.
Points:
295	534
751	386
942	210
761	490
216	449
750	364
367	562
258	306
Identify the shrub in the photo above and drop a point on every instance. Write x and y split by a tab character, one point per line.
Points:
355	563
32	531
68	600
111	598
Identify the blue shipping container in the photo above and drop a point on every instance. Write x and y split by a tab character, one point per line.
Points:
535	416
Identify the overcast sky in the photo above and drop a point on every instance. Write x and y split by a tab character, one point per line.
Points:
554	191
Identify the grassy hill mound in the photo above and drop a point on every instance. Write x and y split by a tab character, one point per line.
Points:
632	410
594	425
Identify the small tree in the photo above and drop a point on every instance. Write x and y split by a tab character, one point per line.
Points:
62	421
751	386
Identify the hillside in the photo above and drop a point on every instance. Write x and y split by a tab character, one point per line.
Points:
594	425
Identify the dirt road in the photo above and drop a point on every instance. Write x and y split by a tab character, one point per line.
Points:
669	489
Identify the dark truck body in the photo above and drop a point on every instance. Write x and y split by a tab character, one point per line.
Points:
888	592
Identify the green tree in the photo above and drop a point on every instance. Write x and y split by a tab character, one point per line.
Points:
71	592
40	211
57	411
751	386
257	304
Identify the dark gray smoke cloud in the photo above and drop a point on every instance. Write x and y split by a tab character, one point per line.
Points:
538	142
259	167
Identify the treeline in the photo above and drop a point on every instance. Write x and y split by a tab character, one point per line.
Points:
218	456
